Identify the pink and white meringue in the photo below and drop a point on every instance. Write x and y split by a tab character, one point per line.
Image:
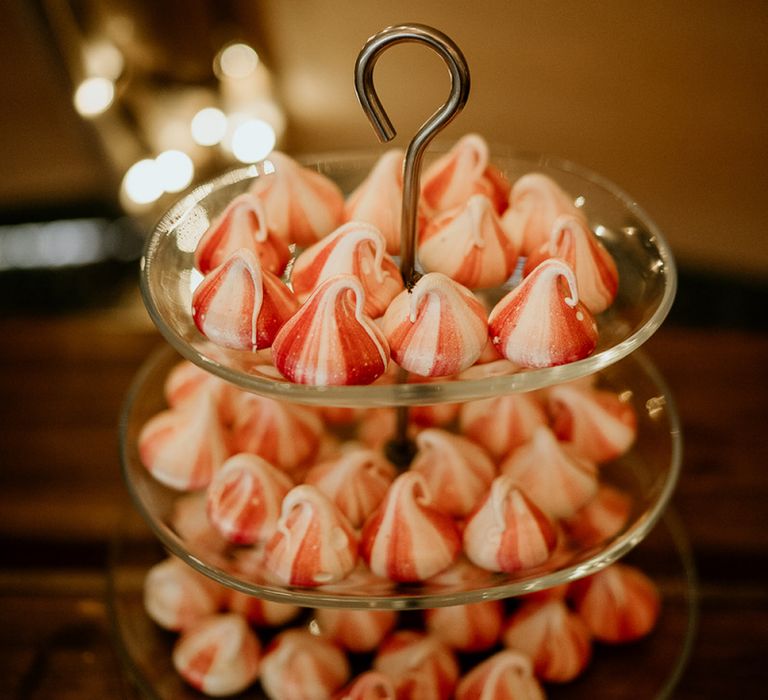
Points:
618	604
508	531
182	448
187	380
259	611
557	479
407	538
284	434
244	498
437	328
379	425
370	685
555	638
541	322
357	249
219	656
419	665
242	224
239	305
301	205
600	424
502	423
507	675
189	520
297	664
331	340
378	200
356	481
176	596
355	630
471	628
314	542
571	240
457	471
535	202
465	170
600	519
469	245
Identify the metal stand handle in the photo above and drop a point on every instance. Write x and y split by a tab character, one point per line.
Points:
369	100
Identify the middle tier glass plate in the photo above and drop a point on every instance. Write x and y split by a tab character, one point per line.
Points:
646	475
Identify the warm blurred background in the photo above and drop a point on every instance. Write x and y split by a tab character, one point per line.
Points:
112	108
666	99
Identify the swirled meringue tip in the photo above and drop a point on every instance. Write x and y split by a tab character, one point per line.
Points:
284	434
186	382
541	322
559	481
355	248
556	639
378	200
597	277
219	656
600	424
183	447
469	628
604	517
619	604
260	612
331	340
355	630
507	675
508	531
457	471
465	170
298	664
314	543
535	203
469	244
242	224
239	305
420	665
244	498
356	481
407	538
301	205
176	596
370	685
436	329
502	423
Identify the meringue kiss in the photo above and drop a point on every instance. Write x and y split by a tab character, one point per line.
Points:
357	249
242	224
541	322
331	340
437	328
239	305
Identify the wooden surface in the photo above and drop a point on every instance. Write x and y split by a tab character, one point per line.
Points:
62	382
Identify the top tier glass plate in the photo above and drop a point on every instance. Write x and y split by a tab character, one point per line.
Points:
647	284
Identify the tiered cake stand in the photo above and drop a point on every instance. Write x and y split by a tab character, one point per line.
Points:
648	472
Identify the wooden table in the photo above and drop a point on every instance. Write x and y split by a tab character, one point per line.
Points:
62	382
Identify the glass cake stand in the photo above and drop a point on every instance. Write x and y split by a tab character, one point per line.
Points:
647	284
649	668
647	473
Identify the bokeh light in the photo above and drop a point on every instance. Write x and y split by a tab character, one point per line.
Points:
94	96
253	140
175	170
208	126
142	183
236	61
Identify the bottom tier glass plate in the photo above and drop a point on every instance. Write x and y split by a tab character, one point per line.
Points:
646	669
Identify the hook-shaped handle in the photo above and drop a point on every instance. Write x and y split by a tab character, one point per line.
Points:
369	100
